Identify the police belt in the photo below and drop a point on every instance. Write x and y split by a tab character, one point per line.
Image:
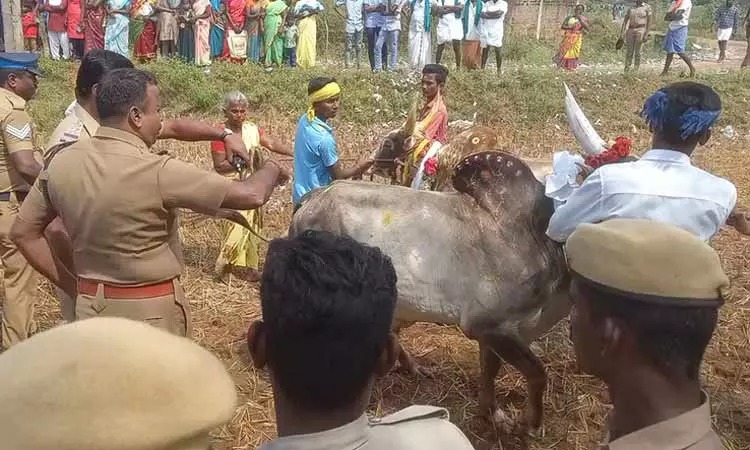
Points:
126	292
6	196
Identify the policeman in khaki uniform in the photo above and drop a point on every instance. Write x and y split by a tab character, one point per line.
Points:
645	304
81	123
181	393
328	304
118	202
19	167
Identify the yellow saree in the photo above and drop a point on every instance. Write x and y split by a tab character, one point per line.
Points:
240	248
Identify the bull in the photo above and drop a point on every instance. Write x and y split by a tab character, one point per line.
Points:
477	257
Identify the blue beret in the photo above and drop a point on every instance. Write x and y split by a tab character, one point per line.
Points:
21	61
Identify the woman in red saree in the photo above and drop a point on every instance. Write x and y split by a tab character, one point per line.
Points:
145	45
94	15
235	46
570	49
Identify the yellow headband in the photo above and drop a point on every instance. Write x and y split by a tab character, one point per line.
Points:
327	92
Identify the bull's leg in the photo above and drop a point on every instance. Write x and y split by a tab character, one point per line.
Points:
406	362
520	356
489	366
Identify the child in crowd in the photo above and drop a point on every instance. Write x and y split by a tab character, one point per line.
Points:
30	25
290	41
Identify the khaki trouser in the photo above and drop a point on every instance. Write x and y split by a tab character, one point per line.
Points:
633	43
19	282
170	312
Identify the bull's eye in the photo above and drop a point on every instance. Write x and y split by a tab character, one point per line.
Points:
475	140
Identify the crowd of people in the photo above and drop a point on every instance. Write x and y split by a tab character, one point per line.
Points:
268	32
97	216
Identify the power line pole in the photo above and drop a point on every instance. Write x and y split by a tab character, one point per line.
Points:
12	33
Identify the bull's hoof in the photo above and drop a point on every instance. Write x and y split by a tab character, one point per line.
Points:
415	370
503	423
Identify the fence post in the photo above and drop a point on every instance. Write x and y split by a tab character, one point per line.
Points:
539	20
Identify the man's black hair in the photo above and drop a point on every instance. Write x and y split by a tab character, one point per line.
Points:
681	97
319	83
120	90
671	338
327	305
440	72
94	66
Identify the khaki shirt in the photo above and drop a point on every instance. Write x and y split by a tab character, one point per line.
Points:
118	202
17	135
639	16
415	427
690	430
76	125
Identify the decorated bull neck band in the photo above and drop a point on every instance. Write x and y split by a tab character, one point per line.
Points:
649	298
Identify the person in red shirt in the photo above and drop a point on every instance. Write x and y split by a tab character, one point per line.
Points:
30	26
57	28
75	28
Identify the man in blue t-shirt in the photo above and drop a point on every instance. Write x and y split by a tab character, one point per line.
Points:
316	161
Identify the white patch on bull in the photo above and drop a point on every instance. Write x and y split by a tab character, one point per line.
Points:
416	183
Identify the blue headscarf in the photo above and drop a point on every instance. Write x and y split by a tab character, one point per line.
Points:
693	121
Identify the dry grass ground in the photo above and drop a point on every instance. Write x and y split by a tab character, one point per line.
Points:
527	109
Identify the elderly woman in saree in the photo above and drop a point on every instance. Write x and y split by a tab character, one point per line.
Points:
239	252
570	49
118	26
202	30
306	10
235	49
94	15
275	16
254	27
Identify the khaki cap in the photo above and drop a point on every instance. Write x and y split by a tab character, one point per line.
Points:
646	258
111	384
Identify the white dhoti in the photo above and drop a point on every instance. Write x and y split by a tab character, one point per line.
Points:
420	48
491	33
449	29
724	34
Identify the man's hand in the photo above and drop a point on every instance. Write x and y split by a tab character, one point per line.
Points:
234	146
583	173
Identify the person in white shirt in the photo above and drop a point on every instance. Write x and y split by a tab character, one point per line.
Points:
492	29
449	29
662	185
420	32
389	35
355	26
676	40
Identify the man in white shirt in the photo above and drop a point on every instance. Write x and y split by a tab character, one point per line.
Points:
355	26
389	35
676	40
492	29
420	32
449	29
663	185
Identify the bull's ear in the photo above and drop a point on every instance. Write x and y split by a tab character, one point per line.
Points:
411	119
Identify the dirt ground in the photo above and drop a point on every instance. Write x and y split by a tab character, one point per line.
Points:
575	404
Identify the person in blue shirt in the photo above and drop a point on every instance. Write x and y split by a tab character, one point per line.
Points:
316	160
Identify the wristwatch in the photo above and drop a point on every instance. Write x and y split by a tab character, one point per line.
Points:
225	133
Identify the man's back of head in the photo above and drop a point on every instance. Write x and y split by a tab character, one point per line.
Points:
681	115
94	66
328	305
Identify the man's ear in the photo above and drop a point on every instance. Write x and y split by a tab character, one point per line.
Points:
705	136
389	355
256	344
136	117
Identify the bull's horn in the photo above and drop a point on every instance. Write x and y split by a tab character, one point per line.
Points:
411	119
580	126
